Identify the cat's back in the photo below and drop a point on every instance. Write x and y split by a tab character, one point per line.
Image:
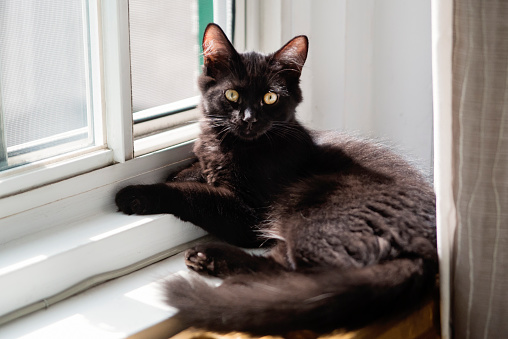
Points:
365	174
369	159
359	197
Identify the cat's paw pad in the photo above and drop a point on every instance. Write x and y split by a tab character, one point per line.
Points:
198	261
131	200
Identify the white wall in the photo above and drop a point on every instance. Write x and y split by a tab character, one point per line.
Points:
402	80
369	66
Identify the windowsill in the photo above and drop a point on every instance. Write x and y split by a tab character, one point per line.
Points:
127	307
61	257
68	236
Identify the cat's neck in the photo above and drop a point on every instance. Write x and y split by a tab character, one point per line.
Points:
283	135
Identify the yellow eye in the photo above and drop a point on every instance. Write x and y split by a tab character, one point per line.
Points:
232	95
270	98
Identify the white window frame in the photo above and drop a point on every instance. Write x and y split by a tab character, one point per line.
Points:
58	219
36	173
57	147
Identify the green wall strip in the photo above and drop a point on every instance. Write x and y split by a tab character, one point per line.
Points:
205	16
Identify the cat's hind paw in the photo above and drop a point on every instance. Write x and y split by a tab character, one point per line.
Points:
215	259
198	261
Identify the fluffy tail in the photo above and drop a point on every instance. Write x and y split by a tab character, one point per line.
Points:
320	300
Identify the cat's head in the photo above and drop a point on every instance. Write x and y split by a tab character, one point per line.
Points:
248	94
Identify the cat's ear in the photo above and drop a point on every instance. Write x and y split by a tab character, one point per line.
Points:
218	52
293	54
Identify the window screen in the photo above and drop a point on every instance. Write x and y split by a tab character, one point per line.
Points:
44	96
164	43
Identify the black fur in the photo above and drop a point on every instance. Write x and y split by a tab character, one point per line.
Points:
350	225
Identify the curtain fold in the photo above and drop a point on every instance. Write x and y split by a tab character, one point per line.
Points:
479	155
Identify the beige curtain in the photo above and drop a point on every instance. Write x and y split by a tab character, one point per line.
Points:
470	61
480	166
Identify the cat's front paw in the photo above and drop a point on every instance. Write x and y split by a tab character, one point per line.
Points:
132	200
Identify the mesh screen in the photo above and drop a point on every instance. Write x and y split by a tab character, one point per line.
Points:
42	68
164	51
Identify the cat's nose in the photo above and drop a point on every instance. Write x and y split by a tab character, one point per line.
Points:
248	116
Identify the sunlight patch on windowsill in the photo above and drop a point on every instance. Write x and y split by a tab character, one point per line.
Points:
121	229
121	308
81	328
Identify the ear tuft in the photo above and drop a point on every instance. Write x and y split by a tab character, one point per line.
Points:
216	45
294	53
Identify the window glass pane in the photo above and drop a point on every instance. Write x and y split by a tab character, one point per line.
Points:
165	50
44	79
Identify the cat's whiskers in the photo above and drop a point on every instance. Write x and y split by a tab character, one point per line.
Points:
213	118
294	129
288	131
267	135
225	131
217	122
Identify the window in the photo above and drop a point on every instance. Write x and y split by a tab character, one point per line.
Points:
165	62
165	59
46	81
164	53
75	80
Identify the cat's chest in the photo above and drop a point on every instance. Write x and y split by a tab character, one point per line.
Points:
215	165
247	172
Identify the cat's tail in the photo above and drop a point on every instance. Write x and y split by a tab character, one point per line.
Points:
321	300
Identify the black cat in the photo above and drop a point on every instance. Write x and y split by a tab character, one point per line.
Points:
350	225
